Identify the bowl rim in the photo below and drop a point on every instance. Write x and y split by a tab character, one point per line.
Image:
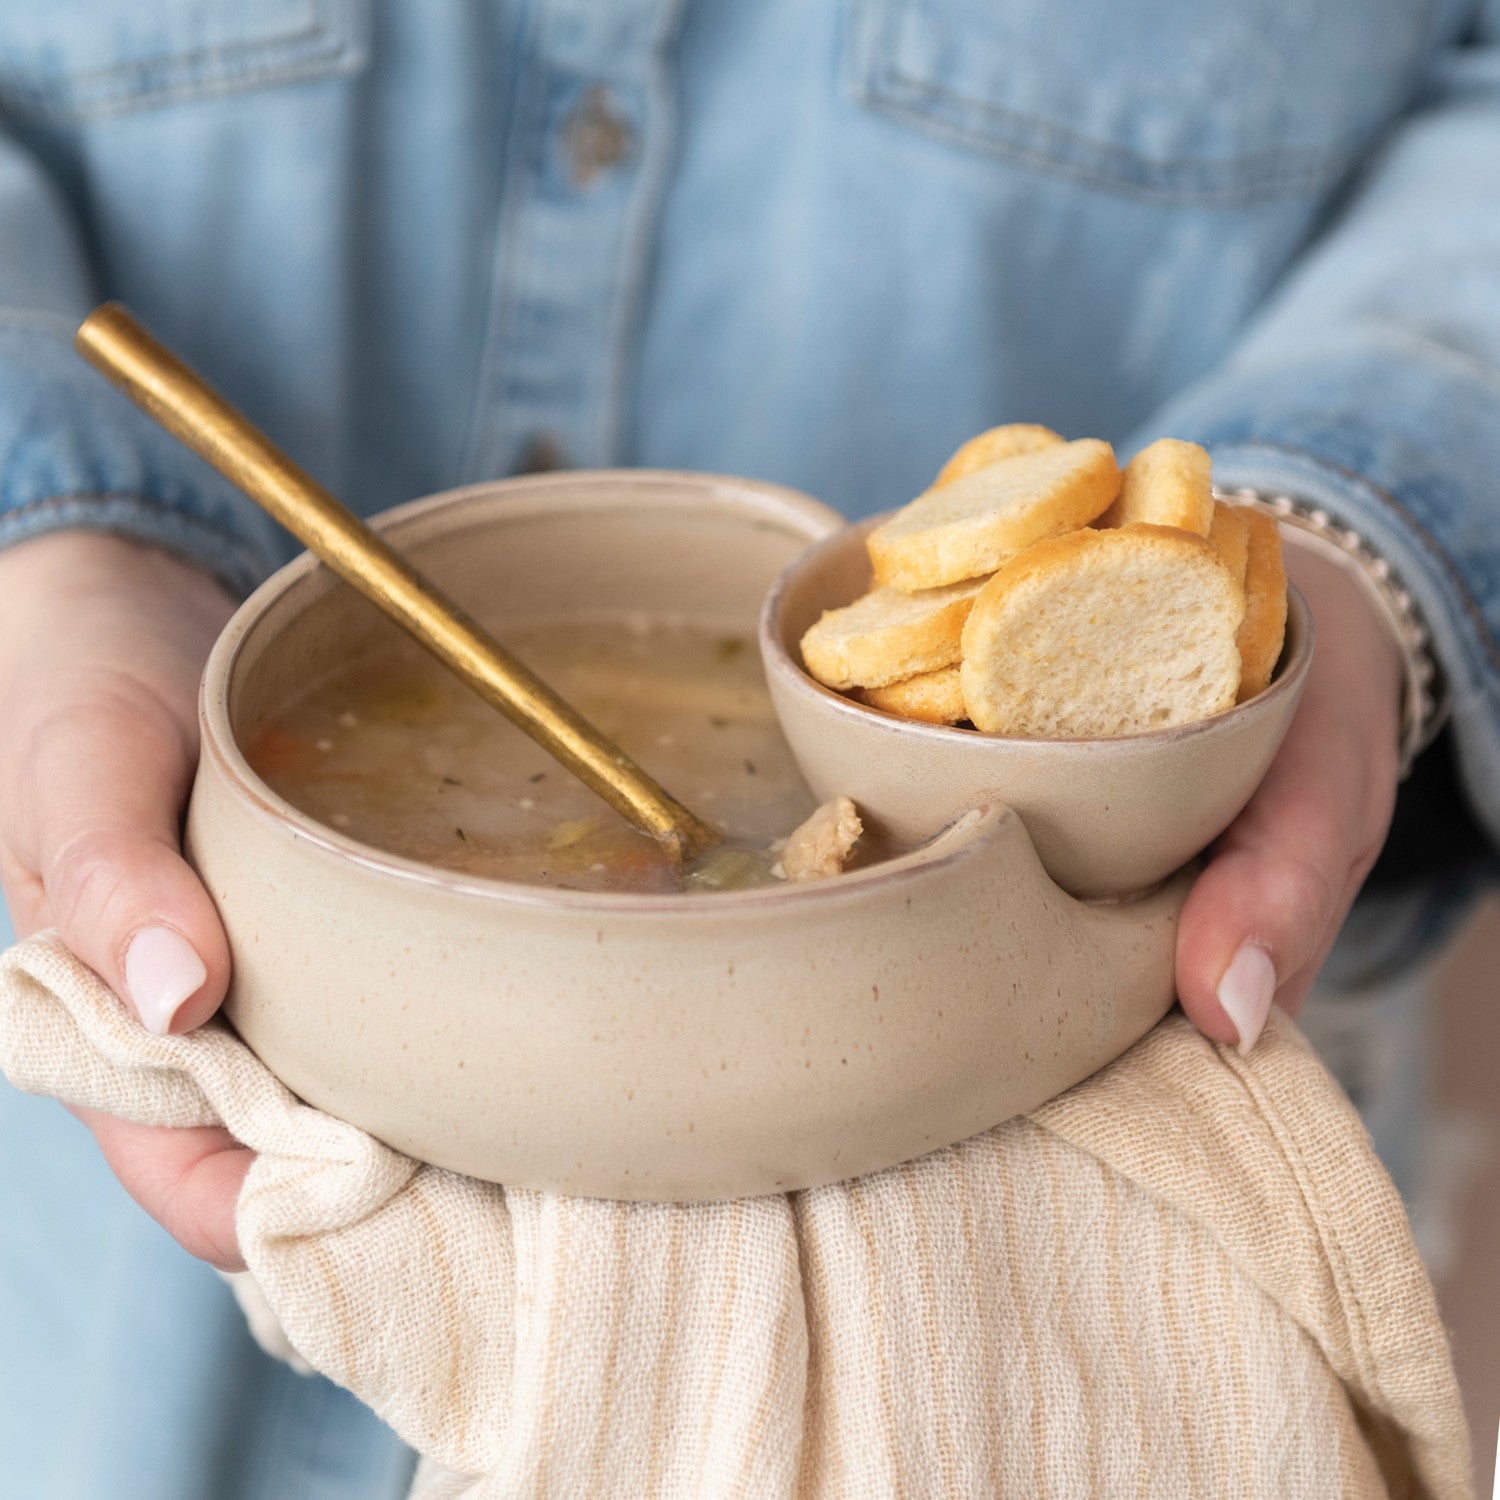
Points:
780	663
519	498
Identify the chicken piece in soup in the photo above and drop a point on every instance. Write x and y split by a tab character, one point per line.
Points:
397	753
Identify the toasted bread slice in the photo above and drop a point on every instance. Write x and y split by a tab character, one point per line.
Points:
990	447
888	635
932	697
1229	536
968	528
1103	633
1168	484
1264	628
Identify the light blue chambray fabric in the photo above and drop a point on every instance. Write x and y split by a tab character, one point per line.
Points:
424	242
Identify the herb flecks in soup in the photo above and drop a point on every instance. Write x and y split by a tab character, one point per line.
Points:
400	755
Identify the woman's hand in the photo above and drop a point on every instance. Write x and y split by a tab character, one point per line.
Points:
1263	915
101	646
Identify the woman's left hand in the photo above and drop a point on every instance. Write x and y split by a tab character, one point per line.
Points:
1263	915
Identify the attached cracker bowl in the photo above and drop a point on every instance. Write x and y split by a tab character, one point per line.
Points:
627	1045
1108	817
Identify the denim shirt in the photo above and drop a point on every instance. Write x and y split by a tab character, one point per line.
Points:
427	242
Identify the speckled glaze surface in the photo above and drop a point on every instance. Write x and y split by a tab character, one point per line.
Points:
1107	816
651	1047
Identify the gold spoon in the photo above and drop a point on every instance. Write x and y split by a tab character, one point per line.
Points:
182	402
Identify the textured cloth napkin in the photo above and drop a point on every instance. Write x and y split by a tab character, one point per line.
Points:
1187	1276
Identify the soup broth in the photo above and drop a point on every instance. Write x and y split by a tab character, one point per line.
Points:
396	752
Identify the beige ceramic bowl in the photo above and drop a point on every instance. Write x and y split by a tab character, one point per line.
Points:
1107	816
639	1046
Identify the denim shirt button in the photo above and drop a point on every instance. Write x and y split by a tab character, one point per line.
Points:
595	137
542	454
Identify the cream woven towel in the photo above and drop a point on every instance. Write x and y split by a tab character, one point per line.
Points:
1188	1276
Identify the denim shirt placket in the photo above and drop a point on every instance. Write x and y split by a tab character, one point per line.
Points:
590	141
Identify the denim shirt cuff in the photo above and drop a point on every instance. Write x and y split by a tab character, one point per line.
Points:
75	454
239	567
1400	440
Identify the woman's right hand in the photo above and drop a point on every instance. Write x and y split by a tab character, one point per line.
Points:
102	643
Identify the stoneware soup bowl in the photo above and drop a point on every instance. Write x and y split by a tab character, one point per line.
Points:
639	1046
1108	817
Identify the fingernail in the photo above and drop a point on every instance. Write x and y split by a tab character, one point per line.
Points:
1246	992
161	971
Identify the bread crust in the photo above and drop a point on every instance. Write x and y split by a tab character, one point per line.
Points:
886	636
1263	632
932	697
1103	633
1169	483
970	527
1009	441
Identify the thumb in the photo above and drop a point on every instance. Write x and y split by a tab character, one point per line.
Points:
108	778
1264	914
1259	916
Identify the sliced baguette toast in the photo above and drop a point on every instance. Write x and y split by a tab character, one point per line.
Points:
932	697
969	528
1264	628
888	635
1168	484
990	447
1103	633
1229	536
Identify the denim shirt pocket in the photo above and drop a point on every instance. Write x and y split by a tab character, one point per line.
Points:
1170	100
78	59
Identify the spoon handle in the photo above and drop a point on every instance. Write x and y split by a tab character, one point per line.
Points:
183	403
